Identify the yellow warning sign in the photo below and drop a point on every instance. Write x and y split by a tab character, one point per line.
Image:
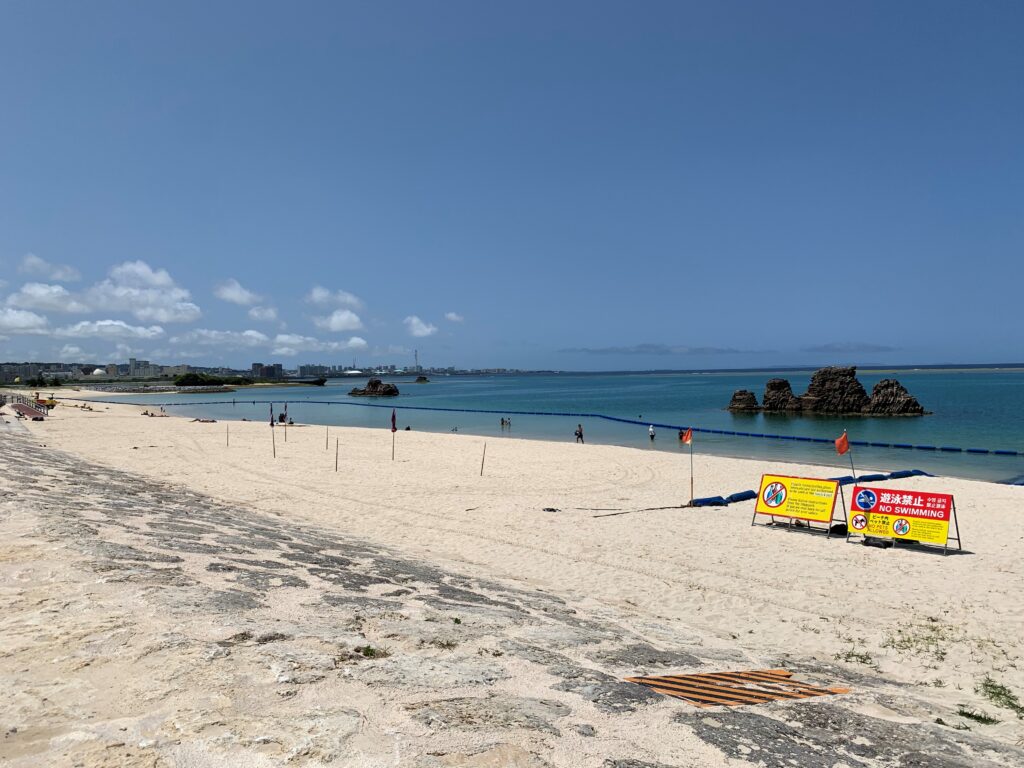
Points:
802	498
917	515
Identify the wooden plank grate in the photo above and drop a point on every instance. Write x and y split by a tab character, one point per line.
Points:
733	689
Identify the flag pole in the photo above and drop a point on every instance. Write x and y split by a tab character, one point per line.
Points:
691	472
335	454
394	429
482	458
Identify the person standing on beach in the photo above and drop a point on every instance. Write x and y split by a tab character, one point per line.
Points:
579	433
650	431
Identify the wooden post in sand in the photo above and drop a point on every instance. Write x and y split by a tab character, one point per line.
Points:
273	440
482	460
335	454
327	439
227	435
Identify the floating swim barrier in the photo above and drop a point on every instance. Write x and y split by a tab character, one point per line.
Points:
574	415
741	496
711	501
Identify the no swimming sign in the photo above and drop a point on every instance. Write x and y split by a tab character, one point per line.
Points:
910	515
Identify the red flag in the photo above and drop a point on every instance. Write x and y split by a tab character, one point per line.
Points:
842	443
687	437
393	427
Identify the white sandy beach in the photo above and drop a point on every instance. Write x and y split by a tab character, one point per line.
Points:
934	625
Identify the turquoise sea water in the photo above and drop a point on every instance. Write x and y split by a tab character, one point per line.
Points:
971	409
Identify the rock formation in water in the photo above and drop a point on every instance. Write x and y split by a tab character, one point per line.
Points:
834	391
890	398
744	401
375	388
778	397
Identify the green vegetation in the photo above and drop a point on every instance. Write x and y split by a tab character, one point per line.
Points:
41	382
860	657
1000	695
926	639
194	379
370	652
976	716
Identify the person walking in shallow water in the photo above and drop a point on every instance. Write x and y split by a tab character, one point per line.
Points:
579	433
650	432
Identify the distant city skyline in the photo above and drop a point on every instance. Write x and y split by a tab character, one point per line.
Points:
580	187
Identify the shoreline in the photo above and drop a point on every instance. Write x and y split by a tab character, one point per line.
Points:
871	465
758	597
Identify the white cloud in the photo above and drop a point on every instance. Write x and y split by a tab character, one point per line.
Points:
339	320
47	298
232	291
140	275
267	314
149	295
21	321
109	329
33	265
418	328
208	337
124	351
292	344
69	353
323	297
453	317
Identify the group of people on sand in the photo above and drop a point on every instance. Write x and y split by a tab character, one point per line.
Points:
153	413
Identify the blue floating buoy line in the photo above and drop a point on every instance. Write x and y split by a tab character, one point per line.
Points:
604	417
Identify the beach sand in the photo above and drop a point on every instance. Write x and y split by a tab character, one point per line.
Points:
568	600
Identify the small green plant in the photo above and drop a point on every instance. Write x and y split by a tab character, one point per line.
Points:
445	645
976	715
859	657
369	652
457	620
926	639
1000	695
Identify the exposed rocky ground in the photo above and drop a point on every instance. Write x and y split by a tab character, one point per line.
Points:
146	625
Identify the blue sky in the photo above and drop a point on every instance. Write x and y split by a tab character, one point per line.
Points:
581	186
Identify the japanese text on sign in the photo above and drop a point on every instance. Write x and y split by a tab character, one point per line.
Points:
913	515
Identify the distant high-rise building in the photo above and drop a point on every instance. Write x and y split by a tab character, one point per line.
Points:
256	368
